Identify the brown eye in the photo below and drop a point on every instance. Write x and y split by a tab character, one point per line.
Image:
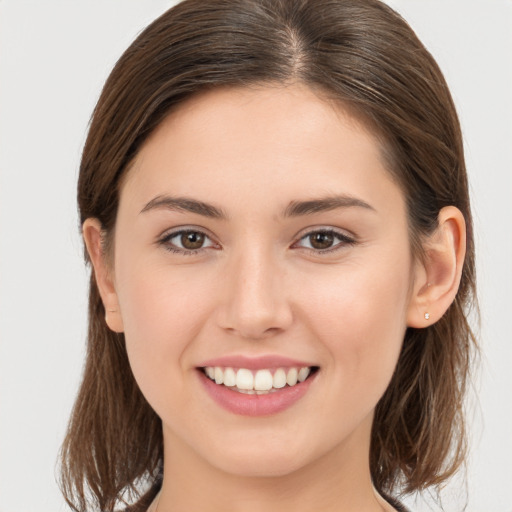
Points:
192	240
321	240
187	241
325	241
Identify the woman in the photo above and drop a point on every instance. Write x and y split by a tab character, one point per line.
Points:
274	202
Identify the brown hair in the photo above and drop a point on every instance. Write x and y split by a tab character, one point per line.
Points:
365	56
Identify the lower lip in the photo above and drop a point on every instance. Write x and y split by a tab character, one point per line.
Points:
255	405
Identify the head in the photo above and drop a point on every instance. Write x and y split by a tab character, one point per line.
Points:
363	62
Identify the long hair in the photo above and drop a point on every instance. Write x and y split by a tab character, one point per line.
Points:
363	55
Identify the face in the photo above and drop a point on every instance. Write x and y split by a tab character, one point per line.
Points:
259	234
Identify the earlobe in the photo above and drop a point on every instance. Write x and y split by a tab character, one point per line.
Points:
438	275
92	233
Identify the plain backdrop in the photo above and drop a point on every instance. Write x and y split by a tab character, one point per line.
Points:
54	57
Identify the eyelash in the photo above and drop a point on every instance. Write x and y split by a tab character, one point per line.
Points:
343	240
166	239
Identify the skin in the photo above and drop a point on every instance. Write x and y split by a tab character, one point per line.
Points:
257	287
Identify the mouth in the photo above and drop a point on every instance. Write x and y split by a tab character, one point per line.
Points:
262	381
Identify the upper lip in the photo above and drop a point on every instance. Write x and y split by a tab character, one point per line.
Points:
255	362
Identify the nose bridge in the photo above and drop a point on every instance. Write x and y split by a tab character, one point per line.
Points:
256	303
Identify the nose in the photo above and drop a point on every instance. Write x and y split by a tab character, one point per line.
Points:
255	304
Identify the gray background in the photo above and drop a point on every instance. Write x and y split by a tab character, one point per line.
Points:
54	57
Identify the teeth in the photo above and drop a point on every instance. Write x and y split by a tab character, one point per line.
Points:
244	379
291	377
219	375
303	374
247	391
229	377
279	380
261	382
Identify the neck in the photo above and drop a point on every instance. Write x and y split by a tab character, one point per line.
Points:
339	480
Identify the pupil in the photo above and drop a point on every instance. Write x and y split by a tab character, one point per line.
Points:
192	240
321	240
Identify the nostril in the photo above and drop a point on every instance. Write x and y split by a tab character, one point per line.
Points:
254	308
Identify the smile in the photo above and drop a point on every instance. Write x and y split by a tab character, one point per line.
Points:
260	382
256	387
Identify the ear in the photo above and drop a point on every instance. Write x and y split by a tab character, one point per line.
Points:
103	273
437	277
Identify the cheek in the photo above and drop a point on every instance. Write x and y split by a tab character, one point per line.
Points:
157	308
360	315
162	311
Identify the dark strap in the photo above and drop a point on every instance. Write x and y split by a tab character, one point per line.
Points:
396	504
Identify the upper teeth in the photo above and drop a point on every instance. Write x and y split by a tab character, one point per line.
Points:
261	380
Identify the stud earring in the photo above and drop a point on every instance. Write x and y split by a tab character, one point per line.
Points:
427	316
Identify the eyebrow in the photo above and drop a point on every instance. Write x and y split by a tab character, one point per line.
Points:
324	204
185	204
294	208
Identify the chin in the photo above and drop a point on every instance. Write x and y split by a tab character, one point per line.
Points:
261	467
256	459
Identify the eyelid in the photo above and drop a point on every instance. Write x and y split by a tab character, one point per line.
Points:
344	239
166	236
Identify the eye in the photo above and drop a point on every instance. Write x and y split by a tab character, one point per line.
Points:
324	240
186	241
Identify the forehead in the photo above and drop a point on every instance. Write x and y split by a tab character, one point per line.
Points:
286	138
259	112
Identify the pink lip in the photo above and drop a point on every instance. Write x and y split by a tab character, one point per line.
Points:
255	405
255	363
